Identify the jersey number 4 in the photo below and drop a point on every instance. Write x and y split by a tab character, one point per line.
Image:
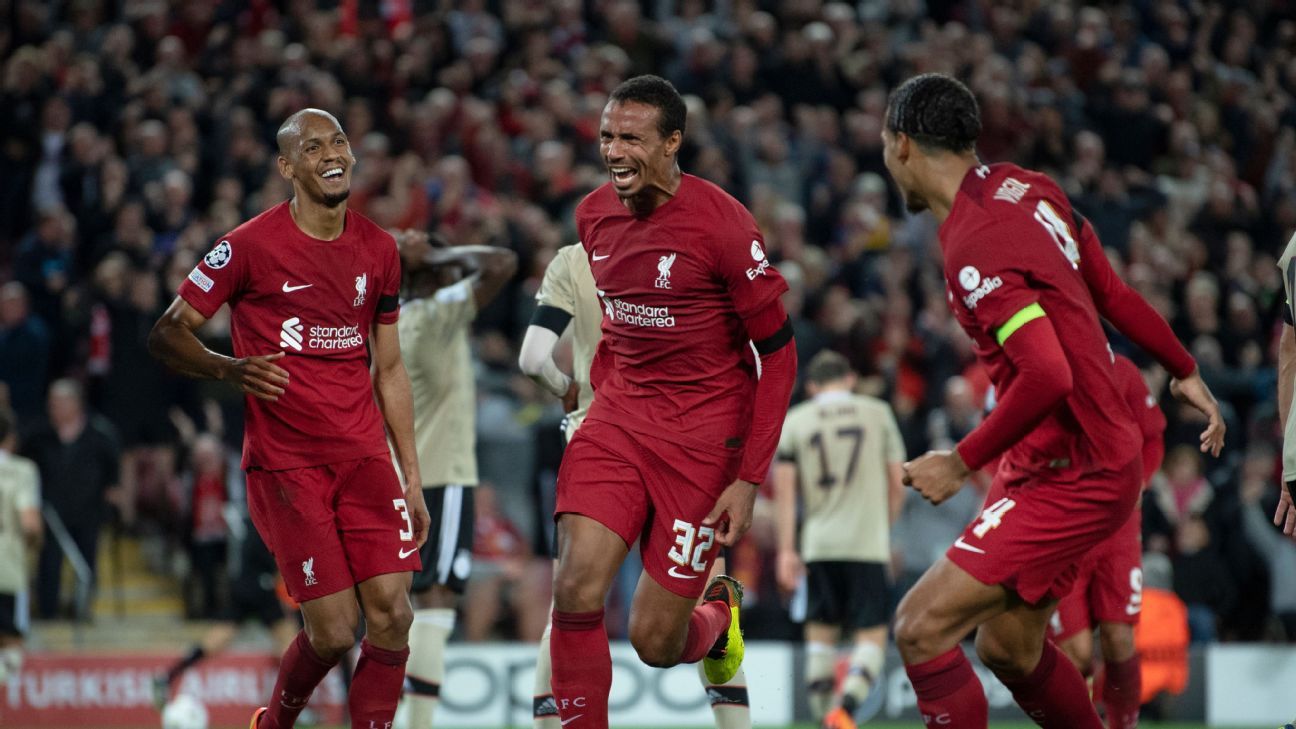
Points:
1057	227
993	516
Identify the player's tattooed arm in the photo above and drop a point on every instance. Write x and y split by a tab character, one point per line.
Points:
172	340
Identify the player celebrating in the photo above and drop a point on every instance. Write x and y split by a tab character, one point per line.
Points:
1028	282
1109	587
306	281
845	452
567	295
446	287
682	427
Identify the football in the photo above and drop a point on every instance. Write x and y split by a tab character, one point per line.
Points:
184	712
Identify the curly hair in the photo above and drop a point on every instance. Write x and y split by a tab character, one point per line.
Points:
657	92
936	111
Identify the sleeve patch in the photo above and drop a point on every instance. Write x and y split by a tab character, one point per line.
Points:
1017	321
219	257
201	280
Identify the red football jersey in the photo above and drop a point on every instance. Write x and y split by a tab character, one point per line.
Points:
1147	412
1011	255
675	360
314	300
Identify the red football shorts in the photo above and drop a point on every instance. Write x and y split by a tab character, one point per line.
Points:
1032	535
331	527
1108	586
648	489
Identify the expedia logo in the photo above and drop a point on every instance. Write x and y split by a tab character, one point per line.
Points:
762	263
988	285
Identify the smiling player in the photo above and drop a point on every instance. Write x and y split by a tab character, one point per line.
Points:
306	282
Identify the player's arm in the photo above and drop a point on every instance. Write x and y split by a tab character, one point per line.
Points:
770	332
29	514
895	492
395	399
1285	516
493	265
1135	318
173	341
535	358
789	567
1043	381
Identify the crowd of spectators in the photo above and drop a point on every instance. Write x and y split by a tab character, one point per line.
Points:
135	132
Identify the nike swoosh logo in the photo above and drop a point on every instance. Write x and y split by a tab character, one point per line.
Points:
597	257
407	552
289	289
960	544
565	722
673	573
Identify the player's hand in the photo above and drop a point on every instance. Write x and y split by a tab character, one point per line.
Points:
571	397
789	569
417	510
733	511
413	245
937	475
1193	390
258	376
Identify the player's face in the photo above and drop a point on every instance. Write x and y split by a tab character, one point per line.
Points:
320	166
638	158
895	155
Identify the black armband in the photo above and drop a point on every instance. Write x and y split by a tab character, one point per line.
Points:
388	304
777	340
551	318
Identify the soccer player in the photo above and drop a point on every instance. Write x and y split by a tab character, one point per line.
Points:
567	296
20	530
446	287
1028	281
307	281
683	427
1285	516
843	454
1108	589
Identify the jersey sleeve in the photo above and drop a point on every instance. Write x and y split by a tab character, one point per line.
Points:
219	277
556	287
993	288
388	309
1287	265
741	262
787	440
28	494
894	447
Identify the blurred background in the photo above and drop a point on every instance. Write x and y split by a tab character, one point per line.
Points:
133	133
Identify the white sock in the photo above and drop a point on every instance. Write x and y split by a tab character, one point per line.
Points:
729	703
426	666
821	660
865	668
543	709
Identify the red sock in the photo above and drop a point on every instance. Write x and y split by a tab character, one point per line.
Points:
949	693
376	686
1122	689
707	622
582	669
300	671
1054	695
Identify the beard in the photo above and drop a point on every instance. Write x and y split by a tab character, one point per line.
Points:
332	200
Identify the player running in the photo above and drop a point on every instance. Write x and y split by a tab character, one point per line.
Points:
842	453
307	281
567	296
1029	282
682	428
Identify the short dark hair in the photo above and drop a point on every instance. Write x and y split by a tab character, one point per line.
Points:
660	93
937	111
827	366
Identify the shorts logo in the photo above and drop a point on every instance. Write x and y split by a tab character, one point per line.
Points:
362	283
201	280
969	277
290	334
308	569
220	256
664	271
762	263
679	575
963	545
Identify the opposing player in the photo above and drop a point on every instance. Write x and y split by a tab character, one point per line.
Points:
1108	590
20	530
843	454
567	296
1028	281
307	281
1285	516
682	427
446	287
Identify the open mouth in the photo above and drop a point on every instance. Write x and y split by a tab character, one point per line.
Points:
623	176
332	173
